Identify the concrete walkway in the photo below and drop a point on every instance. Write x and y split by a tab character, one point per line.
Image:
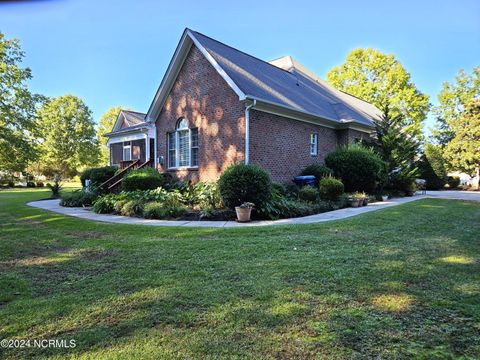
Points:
83	213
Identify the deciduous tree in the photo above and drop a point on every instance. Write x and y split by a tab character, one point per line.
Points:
105	125
452	100
17	109
68	139
382	80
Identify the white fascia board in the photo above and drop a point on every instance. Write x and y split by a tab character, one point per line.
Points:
217	67
169	78
273	108
117	121
127	137
181	52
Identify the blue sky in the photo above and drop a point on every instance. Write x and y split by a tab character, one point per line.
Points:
116	52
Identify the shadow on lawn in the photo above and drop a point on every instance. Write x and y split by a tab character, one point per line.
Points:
291	295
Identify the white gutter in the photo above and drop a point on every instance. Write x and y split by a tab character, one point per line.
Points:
247	130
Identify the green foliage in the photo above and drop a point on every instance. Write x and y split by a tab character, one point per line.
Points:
308	193
331	189
319	171
98	175
359	168
40	184
279	189
132	208
105	125
145	179
17	109
56	187
452	100
241	183
158	210
397	149
382	80
78	198
30	184
453	182
105	204
200	194
462	151
67	134
432	167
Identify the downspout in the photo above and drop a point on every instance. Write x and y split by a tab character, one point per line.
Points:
247	130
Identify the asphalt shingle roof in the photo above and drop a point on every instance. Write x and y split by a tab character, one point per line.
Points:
133	117
290	86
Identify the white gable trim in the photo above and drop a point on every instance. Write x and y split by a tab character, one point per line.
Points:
118	123
181	52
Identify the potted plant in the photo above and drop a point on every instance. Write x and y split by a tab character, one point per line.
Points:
244	211
356	199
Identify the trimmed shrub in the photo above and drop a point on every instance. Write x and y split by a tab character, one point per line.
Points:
11	183
319	171
40	184
105	204
359	168
145	179
279	189
308	193
331	189
77	199
98	176
158	210
30	184
453	182
241	183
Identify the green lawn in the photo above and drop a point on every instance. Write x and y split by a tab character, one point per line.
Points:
397	283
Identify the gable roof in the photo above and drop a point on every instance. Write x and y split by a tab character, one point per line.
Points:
283	86
134	120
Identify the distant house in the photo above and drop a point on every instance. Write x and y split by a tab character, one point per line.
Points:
217	105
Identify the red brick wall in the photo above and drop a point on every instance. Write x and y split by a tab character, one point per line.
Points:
349	136
282	145
202	96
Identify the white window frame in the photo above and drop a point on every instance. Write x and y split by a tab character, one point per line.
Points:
313	144
129	147
177	148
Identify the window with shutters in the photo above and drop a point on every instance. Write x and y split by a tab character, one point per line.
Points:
183	146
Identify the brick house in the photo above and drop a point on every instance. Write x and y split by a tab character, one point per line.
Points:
217	105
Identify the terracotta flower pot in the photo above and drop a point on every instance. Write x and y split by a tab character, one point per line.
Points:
355	203
243	214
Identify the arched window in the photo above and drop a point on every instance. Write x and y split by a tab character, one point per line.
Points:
183	146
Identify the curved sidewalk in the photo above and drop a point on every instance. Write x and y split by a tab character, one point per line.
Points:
83	213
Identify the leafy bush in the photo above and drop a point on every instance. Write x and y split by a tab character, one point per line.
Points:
98	176
331	189
158	210
11	183
279	188
453	182
56	187
319	171
132	208
30	184
432	167
77	198
201	194
308	193
359	168
145	179
105	204
241	183
40	184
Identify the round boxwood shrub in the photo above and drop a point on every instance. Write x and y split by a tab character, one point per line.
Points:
359	168
319	171
98	176
145	179
453	182
244	183
331	188
40	184
30	184
308	193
